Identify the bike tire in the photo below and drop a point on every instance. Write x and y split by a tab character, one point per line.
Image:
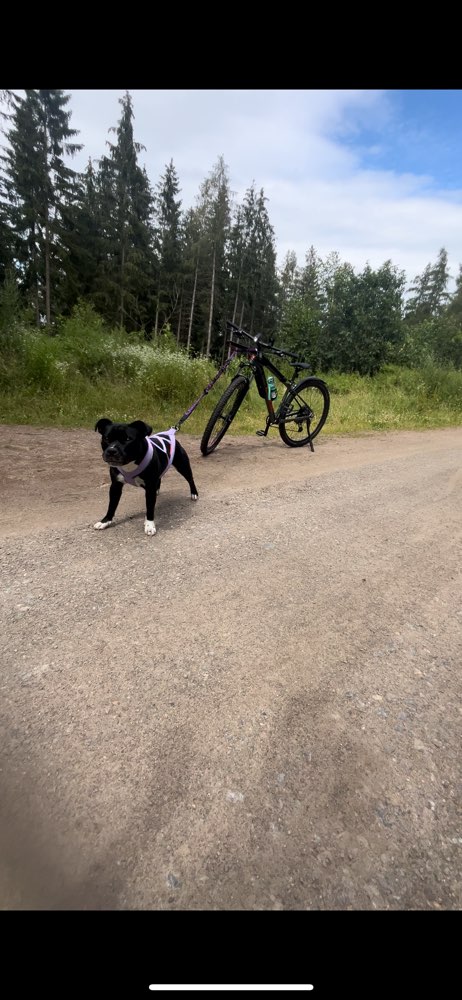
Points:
316	399
223	417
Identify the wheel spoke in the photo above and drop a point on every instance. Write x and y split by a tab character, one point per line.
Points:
305	414
223	415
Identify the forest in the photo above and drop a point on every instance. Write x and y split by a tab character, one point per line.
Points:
110	256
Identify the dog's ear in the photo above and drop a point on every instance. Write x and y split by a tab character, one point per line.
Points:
142	428
101	425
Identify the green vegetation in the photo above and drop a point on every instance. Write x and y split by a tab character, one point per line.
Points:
114	299
85	372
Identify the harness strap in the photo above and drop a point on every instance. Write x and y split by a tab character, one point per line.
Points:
165	442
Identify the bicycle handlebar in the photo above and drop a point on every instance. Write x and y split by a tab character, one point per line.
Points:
258	342
243	333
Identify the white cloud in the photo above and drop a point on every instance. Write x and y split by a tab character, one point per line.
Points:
306	149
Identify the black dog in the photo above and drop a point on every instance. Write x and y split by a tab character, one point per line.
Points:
139	457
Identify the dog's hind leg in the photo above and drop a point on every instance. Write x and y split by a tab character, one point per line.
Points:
151	497
183	466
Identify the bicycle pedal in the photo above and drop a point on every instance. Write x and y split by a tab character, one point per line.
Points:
260	434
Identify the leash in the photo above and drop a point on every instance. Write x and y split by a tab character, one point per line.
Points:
205	392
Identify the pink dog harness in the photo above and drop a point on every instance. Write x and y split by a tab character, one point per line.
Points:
165	443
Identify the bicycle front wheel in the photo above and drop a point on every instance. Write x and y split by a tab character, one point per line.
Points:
224	414
304	412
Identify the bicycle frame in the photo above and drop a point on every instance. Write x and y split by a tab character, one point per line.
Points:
294	417
258	363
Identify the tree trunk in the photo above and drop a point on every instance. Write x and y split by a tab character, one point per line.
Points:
35	288
252	315
156	321
178	329
212	296
191	314
122	266
225	344
47	269
237	293
47	239
235	305
242	314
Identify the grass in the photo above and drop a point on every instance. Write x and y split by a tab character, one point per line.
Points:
81	374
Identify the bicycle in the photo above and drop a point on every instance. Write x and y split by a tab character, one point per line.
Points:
304	404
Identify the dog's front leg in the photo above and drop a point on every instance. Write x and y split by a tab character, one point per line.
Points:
151	497
115	493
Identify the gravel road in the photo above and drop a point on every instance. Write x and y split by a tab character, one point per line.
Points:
258	708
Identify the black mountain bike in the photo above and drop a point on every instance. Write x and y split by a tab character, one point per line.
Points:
302	411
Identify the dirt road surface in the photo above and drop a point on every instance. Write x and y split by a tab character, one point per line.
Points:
258	708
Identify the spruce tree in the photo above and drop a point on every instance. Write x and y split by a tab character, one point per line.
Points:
125	279
430	291
259	276
38	183
168	242
82	242
215	197
193	226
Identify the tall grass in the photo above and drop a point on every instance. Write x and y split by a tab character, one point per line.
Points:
85	372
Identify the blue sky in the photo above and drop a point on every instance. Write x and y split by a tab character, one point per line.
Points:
372	174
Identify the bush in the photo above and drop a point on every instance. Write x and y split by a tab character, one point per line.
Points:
83	325
87	371
165	340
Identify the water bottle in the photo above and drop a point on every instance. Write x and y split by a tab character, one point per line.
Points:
272	391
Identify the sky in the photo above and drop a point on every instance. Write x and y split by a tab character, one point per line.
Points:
375	175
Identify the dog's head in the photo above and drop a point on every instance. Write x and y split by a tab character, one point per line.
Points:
122	443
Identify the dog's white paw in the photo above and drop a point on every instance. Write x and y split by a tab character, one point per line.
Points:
102	524
149	527
194	496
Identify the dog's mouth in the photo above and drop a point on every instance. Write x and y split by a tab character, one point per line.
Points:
113	460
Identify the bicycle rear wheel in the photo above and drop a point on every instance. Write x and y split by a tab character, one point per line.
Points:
304	412
224	414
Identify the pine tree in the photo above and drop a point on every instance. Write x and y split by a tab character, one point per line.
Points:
310	279
259	279
236	255
445	332
303	305
169	247
125	280
38	183
23	182
289	278
430	288
455	303
192	253
215	206
82	242
6	236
